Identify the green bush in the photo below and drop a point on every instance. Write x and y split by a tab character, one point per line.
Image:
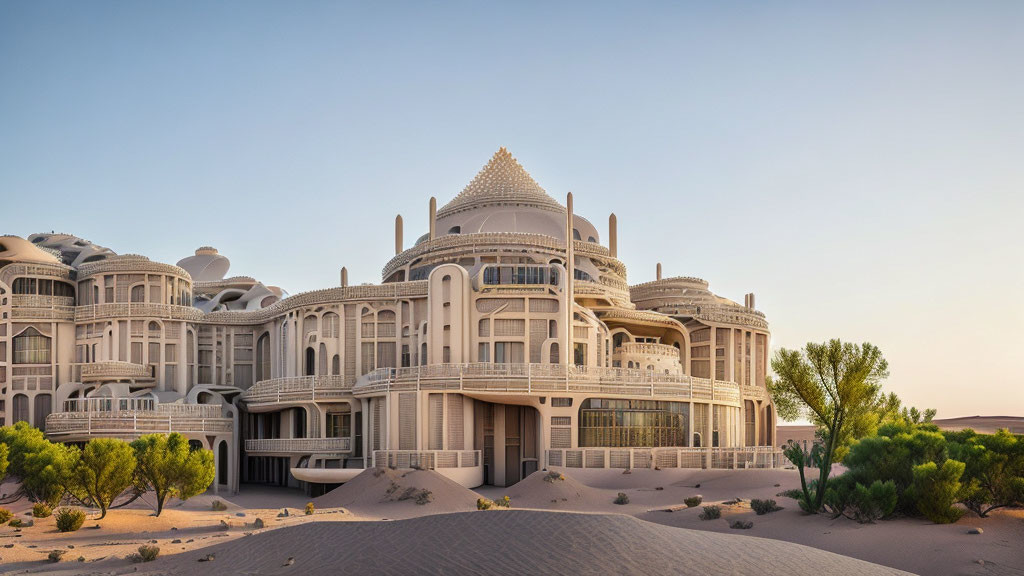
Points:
41	510
763	507
69	519
146	553
55	555
622	498
310	508
218	506
936	488
503	502
860	503
994	469
484	504
552	477
692	501
5	515
15	523
711	513
424	497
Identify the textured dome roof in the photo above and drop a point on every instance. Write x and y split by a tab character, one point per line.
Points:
503	197
502	181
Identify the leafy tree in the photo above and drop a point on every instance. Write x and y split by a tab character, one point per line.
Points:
4	463
936	488
105	469
42	467
168	466
837	386
994	469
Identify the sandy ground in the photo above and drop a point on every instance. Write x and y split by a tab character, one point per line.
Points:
567	526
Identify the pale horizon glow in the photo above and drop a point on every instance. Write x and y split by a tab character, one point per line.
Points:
858	167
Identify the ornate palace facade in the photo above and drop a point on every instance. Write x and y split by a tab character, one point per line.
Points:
505	340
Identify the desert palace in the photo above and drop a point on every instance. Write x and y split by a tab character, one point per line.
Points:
504	340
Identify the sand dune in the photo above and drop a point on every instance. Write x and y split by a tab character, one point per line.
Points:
510	542
386	493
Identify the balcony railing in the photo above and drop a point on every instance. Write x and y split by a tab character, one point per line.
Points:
130	417
625	458
426	459
34	301
302	445
133	309
297	389
114	370
648	349
546	378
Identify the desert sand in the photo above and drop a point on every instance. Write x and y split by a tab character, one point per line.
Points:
566	526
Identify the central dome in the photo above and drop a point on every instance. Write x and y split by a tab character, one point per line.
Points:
503	197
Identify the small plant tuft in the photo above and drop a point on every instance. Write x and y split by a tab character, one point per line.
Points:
310	508
218	506
503	502
41	510
15	523
484	504
693	501
424	497
711	513
741	525
622	498
69	519
763	507
5	515
552	477
795	494
146	554
55	555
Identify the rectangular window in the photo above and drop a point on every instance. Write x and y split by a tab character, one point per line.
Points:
579	354
509	353
405	356
339	425
484	353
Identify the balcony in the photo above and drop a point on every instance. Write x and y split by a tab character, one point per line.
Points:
626	458
137	309
299	445
129	418
108	371
297	389
31	306
544	379
648	349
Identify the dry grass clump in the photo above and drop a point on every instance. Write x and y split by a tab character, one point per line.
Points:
146	553
711	513
693	501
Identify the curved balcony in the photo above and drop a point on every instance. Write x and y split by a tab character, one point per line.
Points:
129	418
298	445
648	349
113	370
137	309
297	389
546	379
31	306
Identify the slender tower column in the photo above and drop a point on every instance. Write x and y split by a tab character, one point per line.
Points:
570	271
344	277
398	234
613	235
658	275
433	217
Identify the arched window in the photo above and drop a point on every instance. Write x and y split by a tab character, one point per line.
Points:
139	293
576	234
555	352
455	230
330	324
310	361
43	404
336	365
263	357
696	440
20	408
423	354
31	347
323	359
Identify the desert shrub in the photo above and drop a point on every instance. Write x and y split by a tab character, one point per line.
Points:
993	469
503	502
692	501
864	504
69	519
891	456
218	506
741	525
55	555
795	494
763	507
622	498
146	553
5	515
41	510
484	504
310	508
552	477
166	464
15	523
43	467
424	496
936	488
711	513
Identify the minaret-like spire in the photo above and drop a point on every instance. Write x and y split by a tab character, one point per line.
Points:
398	234
570	270
433	216
659	271
613	235
344	277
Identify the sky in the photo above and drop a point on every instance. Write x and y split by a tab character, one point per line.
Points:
858	166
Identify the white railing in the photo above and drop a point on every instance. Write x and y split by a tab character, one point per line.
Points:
114	369
304	445
36	301
134	416
131	309
648	349
297	389
681	457
545	378
426	459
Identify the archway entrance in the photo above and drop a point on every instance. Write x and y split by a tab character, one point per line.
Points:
509	435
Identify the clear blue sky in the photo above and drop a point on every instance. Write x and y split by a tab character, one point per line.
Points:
860	167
